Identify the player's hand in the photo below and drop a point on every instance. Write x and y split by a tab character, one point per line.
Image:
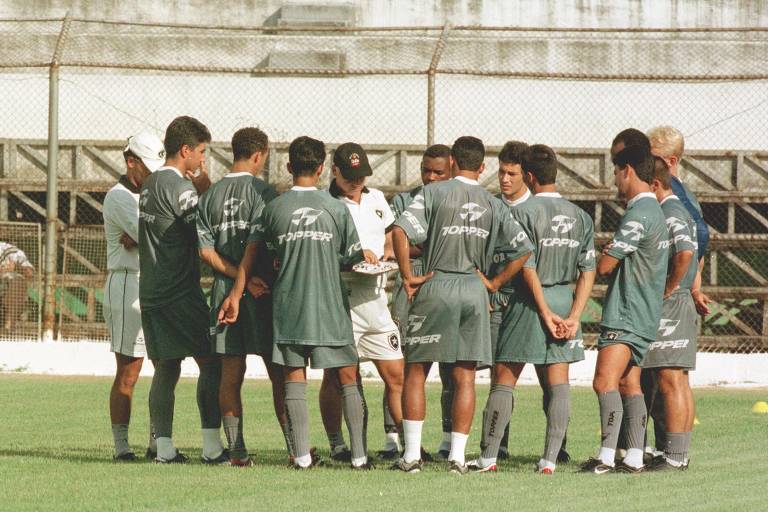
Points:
570	328
369	257
489	284
413	285
606	248
701	301
555	325
257	287
127	242
199	178
230	308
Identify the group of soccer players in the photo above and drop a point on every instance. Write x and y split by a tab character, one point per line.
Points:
484	282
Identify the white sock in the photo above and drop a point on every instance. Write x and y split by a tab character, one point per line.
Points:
634	457
212	446
165	448
544	463
484	463
458	445
412	434
120	435
607	455
304	460
359	461
445	444
392	442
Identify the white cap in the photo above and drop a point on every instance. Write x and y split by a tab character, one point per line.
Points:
148	147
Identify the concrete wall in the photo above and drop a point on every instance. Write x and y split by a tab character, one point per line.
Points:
554	13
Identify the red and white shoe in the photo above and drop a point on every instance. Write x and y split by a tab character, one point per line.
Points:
474	467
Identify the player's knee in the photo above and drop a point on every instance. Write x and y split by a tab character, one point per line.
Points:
601	384
671	381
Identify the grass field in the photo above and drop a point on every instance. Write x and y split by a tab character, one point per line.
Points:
55	454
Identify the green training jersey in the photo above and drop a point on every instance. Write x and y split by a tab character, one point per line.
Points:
168	258
634	296
227	215
499	259
563	236
461	225
402	200
312	234
682	237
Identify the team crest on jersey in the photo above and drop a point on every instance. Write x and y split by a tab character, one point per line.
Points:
472	211
232	205
415	322
667	326
306	215
380	214
394	341
562	223
675	224
633	230
609	335
187	200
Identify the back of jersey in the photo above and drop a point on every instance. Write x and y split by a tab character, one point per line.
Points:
563	237
456	220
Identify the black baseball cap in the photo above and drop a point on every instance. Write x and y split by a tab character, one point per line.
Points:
352	161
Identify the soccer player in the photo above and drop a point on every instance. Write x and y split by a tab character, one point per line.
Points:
460	225
227	215
376	335
673	354
174	313
312	234
15	271
143	155
635	262
435	166
541	324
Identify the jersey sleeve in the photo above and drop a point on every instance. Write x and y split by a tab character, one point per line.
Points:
681	234
205	234
397	205
350	250
184	204
587	254
627	237
512	240
415	219
121	209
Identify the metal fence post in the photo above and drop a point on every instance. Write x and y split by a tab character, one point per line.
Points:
431	84
52	195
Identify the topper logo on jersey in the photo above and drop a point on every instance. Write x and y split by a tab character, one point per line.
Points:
473	211
415	322
187	200
562	223
668	326
675	224
231	206
307	215
413	221
633	230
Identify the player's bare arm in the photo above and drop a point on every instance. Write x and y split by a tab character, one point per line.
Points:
508	272
700	299
128	242
554	323
607	263
679	263
583	290
411	283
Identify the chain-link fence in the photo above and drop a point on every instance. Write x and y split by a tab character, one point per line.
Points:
394	91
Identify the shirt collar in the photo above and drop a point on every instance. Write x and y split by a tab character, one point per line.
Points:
466	180
302	189
124	181
640	196
671	196
549	194
171	168
237	174
336	192
519	200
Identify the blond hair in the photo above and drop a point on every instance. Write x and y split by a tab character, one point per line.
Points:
666	141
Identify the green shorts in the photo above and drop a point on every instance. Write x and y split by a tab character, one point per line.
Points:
523	337
637	344
251	334
400	304
177	330
319	357
449	321
676	343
